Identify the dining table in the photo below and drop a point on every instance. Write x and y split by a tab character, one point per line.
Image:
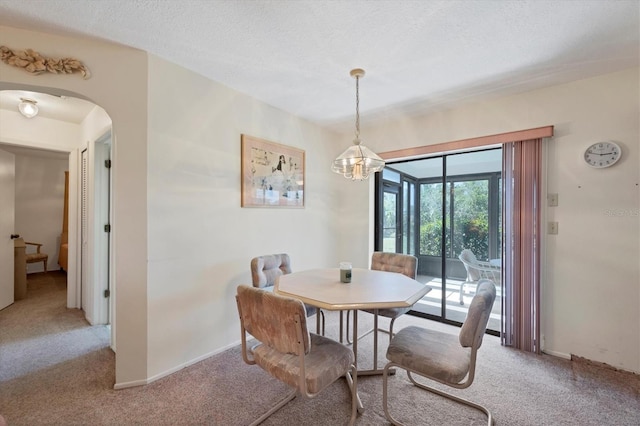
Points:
369	289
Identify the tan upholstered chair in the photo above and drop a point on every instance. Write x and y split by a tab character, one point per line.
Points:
63	256
286	350
38	256
442	357
476	270
266	269
393	262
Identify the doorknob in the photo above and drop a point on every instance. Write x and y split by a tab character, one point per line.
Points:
14	236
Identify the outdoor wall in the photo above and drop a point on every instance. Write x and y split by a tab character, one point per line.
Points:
200	240
39	204
591	284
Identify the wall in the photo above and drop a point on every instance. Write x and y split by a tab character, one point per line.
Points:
119	85
39	204
200	240
591	285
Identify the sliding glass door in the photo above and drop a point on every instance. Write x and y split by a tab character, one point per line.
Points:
441	206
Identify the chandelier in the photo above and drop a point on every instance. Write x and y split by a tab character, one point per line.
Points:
358	161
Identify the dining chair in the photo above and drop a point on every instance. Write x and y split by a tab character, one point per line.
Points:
393	262
38	256
442	357
266	269
285	348
476	270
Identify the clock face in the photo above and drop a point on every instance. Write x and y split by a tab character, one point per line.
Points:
602	154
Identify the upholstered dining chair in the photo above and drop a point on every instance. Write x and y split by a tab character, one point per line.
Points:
476	270
442	357
393	262
306	362
266	269
38	256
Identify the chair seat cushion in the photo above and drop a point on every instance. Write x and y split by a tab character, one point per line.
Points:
389	312
432	353
327	361
36	257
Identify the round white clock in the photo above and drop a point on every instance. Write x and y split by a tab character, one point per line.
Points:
602	154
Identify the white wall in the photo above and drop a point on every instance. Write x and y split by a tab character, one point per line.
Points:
591	288
39	205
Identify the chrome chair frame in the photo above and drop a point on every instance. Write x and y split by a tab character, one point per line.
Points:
302	348
478	319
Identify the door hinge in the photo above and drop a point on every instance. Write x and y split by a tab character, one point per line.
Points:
107	228
107	293
107	164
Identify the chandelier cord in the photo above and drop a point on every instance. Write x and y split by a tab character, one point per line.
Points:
357	108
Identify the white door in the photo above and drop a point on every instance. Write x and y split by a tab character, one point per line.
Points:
7	219
85	290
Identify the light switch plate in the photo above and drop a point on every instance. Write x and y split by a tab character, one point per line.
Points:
552	200
552	228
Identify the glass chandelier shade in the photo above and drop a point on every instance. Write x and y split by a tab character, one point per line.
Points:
28	107
358	161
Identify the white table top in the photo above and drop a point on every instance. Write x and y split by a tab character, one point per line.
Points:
368	289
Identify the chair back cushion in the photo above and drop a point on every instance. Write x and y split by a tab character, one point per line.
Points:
476	322
271	319
265	269
469	259
395	262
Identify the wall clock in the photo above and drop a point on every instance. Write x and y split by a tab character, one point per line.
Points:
602	154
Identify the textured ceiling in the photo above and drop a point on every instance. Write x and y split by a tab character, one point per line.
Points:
420	56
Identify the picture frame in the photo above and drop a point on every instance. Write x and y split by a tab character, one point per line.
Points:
273	175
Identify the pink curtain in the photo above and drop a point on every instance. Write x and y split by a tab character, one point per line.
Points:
522	166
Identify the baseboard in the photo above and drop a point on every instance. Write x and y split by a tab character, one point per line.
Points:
166	373
576	358
557	354
133	384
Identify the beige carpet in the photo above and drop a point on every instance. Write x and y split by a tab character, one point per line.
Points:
57	370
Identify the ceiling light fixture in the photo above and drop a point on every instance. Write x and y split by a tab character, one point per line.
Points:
358	161
28	107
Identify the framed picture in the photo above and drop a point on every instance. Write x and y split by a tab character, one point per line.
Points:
272	174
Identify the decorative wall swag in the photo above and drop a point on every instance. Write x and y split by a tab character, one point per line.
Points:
34	63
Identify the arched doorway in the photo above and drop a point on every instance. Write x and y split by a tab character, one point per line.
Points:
84	135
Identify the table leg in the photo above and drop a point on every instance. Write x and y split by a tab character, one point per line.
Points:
355	354
375	340
375	371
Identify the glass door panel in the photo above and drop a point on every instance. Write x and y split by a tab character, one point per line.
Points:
390	220
473	182
429	232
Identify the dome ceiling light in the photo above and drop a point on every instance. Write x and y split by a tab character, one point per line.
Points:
28	107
